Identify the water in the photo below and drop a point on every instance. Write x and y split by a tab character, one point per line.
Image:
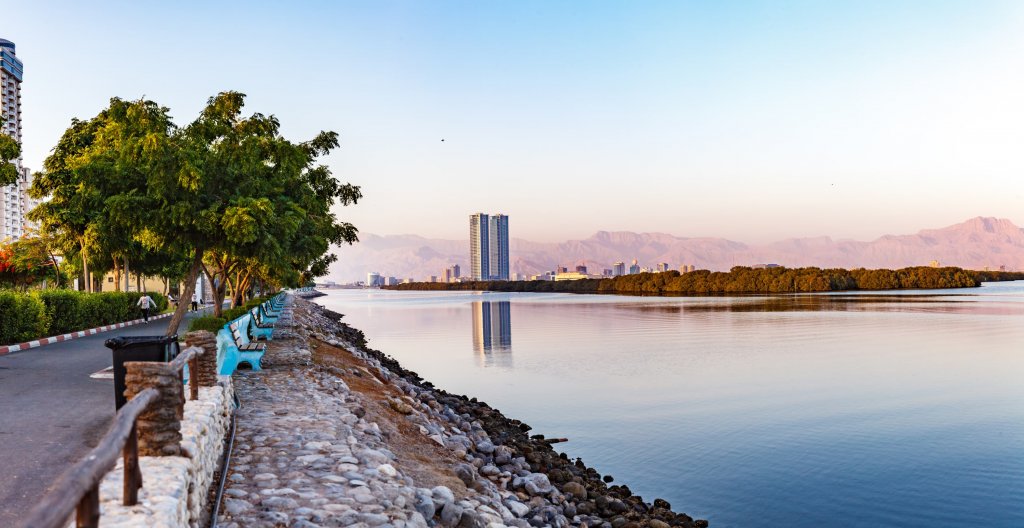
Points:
885	409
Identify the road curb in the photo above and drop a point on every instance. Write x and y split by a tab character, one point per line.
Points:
7	349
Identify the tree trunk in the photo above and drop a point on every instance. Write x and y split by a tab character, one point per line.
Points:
219	289
85	269
190	288
117	275
241	287
219	292
56	267
127	275
138	281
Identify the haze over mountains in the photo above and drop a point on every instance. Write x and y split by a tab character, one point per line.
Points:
975	244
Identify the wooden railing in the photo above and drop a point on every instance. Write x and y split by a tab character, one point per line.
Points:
78	489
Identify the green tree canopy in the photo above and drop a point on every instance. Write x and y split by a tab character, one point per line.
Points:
226	188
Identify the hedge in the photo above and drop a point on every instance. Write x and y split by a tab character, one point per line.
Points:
208	323
28	316
22	317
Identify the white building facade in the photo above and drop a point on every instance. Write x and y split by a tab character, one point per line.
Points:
14	200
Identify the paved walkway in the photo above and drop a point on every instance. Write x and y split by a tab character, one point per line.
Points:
52	413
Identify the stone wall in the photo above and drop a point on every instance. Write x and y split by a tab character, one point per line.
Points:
174	489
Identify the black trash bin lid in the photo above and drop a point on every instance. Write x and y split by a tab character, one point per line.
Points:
137	341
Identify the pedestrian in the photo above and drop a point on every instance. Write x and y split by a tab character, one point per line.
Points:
195	301
146	303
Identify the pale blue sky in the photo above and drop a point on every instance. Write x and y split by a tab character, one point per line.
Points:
748	120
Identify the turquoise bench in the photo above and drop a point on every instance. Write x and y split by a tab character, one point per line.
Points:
266	316
234	348
258	328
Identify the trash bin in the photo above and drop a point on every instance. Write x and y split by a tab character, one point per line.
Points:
138	348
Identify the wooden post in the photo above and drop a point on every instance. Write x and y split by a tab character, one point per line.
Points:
132	471
193	378
88	513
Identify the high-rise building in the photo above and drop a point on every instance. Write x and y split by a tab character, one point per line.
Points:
479	250
451	273
499	247
662	267
634	268
15	202
488	247
619	268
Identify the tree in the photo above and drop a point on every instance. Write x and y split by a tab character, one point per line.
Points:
227	190
241	192
26	262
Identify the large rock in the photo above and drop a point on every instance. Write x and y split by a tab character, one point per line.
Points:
451	515
537	484
576	489
517	508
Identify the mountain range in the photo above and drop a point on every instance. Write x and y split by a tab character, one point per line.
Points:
974	244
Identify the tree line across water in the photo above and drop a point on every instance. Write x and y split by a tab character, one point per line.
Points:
742	280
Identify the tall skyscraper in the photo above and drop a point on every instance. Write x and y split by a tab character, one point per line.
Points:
619	268
499	247
15	202
479	252
488	247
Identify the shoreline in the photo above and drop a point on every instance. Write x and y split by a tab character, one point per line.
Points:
332	430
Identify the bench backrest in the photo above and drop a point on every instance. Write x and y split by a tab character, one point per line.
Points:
239	329
226	349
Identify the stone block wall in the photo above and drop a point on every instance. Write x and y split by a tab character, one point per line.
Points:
174	490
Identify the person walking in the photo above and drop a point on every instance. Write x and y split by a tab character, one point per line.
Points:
146	303
195	301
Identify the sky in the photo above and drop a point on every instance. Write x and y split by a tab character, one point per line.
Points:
753	121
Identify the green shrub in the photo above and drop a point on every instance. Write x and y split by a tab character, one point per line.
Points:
118	306
210	323
256	301
91	310
22	317
64	311
234	313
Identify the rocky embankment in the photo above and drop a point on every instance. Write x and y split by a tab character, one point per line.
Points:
332	433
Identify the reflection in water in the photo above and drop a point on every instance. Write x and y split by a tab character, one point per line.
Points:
492	332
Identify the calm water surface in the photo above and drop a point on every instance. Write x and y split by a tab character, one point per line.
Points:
893	409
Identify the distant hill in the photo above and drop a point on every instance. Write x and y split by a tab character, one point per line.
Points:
974	244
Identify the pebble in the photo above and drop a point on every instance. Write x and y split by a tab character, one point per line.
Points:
387	470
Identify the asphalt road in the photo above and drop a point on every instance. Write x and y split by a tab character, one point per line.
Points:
52	413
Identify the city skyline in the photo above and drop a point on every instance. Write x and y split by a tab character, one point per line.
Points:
848	119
